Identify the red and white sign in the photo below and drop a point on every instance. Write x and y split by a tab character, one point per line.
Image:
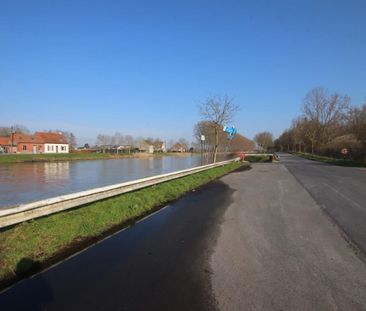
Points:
344	151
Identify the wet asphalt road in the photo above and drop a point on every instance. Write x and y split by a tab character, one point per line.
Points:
254	240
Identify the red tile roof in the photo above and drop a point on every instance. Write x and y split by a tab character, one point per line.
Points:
26	138
37	138
51	138
5	141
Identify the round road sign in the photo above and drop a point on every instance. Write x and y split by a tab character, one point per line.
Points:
344	151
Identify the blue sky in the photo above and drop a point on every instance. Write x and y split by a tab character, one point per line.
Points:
141	67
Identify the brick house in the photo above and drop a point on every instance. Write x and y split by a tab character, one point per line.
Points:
40	142
26	143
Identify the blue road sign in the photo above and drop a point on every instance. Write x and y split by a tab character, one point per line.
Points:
231	130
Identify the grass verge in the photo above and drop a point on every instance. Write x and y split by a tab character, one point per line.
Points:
340	162
261	158
31	246
20	158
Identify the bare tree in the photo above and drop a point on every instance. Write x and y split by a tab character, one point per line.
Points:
103	140
264	140
129	140
219	111
16	128
325	112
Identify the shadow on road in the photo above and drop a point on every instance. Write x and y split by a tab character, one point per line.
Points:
36	299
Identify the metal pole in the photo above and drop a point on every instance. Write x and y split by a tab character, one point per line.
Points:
201	152
12	139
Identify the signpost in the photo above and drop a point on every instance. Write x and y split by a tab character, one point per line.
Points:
344	151
203	138
231	130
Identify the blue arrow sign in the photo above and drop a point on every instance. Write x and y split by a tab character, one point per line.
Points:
231	130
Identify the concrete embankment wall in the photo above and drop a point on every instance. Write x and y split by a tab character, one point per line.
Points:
41	208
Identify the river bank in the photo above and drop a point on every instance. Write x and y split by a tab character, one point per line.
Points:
34	245
27	158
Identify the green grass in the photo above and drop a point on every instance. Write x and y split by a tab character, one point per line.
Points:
38	243
18	158
333	161
262	158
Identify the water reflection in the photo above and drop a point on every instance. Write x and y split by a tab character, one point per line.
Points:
27	182
56	171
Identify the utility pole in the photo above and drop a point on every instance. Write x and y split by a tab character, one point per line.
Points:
203	138
12	139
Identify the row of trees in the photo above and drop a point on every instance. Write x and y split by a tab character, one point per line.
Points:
264	140
16	128
120	139
328	123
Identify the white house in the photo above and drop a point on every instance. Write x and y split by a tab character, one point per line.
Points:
53	142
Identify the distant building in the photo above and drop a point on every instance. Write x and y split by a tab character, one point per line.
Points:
178	148
145	146
53	142
159	146
5	145
40	142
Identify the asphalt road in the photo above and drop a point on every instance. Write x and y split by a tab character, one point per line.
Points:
278	250
340	191
254	240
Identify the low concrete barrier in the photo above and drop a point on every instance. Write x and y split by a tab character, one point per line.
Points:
45	207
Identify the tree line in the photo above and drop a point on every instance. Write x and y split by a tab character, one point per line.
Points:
328	124
118	139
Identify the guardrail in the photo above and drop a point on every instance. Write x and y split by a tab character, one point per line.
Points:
24	212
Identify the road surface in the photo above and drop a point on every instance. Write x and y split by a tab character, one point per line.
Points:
254	240
340	191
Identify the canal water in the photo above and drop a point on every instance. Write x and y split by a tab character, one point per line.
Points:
28	182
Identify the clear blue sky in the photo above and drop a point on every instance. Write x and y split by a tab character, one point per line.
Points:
141	67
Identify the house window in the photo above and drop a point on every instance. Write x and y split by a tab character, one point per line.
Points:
48	148
24	147
63	148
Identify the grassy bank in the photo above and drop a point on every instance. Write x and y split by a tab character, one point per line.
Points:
341	162
261	158
23	158
36	244
19	158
